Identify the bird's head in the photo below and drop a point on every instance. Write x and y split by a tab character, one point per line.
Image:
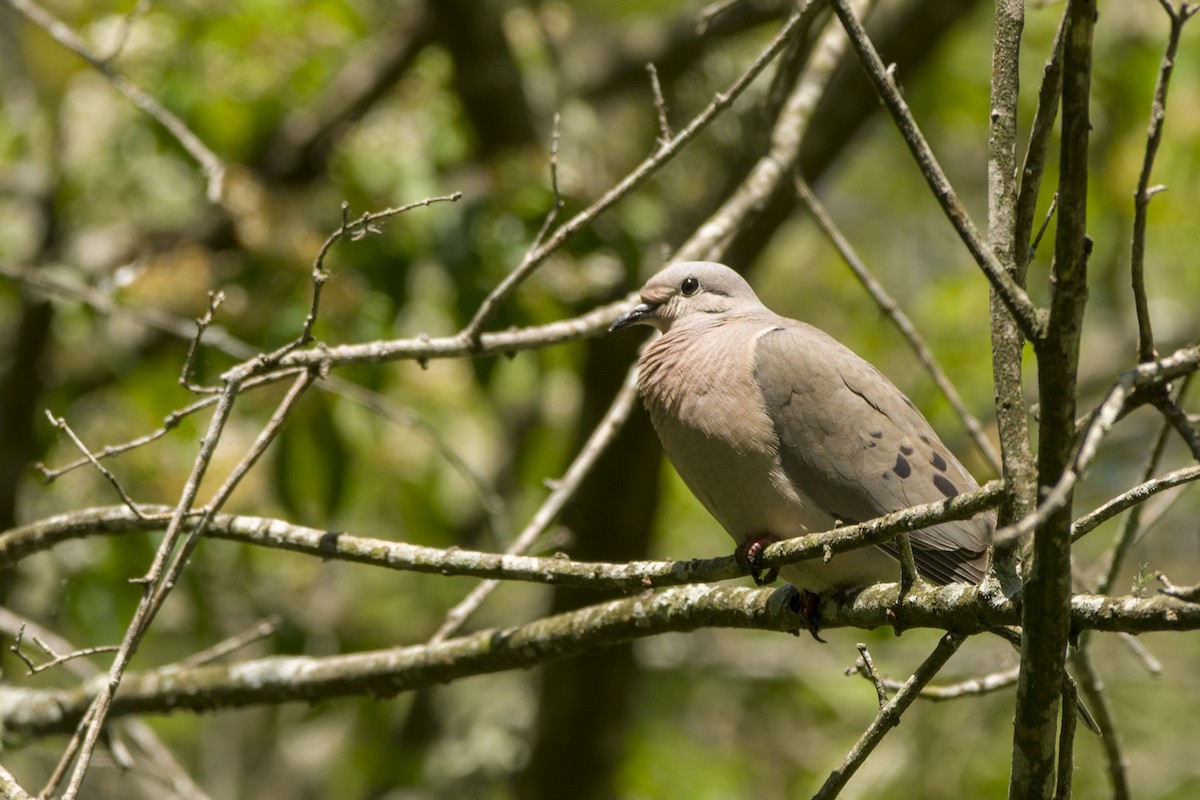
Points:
688	291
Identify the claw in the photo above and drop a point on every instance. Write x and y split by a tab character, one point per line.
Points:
748	554
807	606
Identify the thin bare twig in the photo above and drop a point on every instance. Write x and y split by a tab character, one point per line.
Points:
1130	498
222	494
908	565
83	742
189	362
889	716
1189	593
178	326
165	769
1142	654
710	12
1040	136
1101	709
971	687
1144	192
1133	525
366	224
159	581
1030	319
1182	362
155	319
213	166
711	240
260	630
1178	420
126	26
660	106
557	205
1066	740
471	335
867	669
564	489
1037	239
61	424
887	304
489	500
55	657
170	422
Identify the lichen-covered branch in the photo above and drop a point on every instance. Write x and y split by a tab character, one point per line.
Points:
1047	584
632	576
958	608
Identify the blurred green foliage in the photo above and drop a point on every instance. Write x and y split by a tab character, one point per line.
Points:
96	194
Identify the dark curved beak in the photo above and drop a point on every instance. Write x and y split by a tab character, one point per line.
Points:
634	316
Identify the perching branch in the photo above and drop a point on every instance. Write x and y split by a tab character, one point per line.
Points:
630	577
383	673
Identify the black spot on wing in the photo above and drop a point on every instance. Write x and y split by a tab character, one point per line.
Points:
937	461
906	449
944	485
902	468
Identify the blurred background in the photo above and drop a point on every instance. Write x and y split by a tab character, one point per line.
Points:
106	240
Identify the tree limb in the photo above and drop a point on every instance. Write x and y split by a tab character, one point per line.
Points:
384	673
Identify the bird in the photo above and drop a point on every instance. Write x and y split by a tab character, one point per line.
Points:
779	430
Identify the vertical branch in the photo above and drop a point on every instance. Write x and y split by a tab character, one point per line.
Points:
1007	341
1066	741
1040	134
1141	198
1047	590
1131	526
88	734
1097	701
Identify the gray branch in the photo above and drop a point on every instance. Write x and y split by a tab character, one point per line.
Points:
959	608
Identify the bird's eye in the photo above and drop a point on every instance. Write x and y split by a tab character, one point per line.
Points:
689	286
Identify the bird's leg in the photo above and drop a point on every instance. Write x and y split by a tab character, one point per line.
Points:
748	554
807	606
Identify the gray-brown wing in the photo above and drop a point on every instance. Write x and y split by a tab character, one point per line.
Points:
851	441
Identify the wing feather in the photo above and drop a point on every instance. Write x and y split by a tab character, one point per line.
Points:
850	440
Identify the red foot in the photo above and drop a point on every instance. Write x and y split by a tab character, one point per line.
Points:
748	554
